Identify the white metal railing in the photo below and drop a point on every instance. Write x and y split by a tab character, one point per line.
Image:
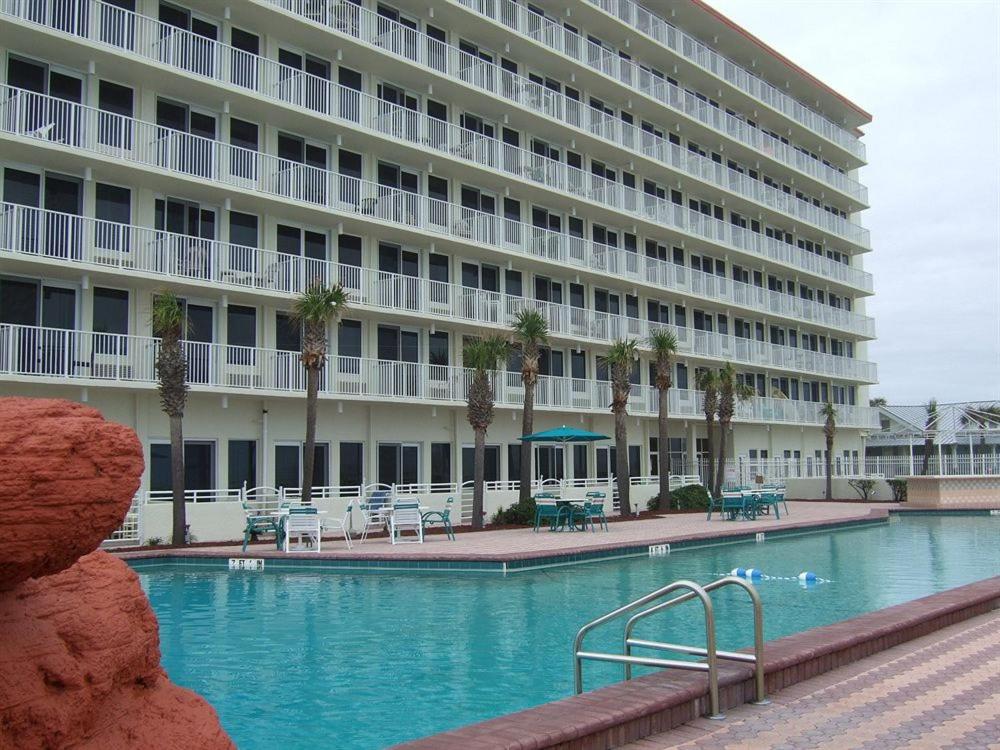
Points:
859	467
33	351
272	80
345	18
670	36
50	119
34	232
130	532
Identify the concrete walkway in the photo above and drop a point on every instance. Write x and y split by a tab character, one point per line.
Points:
939	691
523	543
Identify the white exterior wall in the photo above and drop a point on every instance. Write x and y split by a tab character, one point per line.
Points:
220	413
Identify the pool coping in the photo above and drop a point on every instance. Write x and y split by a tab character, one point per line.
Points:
511	562
628	711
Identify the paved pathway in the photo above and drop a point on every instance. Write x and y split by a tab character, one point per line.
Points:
514	542
939	691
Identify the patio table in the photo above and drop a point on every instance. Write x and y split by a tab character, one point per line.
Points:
566	504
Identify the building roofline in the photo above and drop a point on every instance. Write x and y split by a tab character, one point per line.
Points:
757	41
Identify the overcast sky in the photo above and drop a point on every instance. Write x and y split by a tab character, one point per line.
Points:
929	73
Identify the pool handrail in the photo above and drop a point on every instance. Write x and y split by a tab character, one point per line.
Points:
710	665
757	658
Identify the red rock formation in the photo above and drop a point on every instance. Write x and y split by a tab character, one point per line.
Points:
80	657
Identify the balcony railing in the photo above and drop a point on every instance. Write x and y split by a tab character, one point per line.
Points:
190	52
670	36
31	351
111	25
54	120
32	232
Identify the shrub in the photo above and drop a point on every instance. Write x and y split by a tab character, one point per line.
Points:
519	514
691	497
154	541
898	487
864	487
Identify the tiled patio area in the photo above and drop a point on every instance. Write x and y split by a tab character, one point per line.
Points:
522	544
938	691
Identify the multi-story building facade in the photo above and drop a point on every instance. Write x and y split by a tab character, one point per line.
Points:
449	162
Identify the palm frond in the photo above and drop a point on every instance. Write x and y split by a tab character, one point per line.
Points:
621	354
663	342
168	319
485	353
530	328
320	304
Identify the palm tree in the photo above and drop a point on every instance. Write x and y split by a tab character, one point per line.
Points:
663	343
531	331
169	323
619	361
707	382
483	355
930	427
730	391
877	401
829	430
315	309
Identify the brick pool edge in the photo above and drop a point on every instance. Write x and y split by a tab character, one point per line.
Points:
618	714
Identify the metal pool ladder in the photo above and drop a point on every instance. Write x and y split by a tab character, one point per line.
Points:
710	652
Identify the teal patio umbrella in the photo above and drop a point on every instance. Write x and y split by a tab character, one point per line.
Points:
563	434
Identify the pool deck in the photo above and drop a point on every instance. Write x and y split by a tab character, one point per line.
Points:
933	692
652	705
525	547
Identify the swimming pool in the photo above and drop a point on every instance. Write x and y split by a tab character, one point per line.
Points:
364	660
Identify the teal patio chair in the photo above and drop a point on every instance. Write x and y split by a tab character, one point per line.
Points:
547	511
443	517
258	522
591	514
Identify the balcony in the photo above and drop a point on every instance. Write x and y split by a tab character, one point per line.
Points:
32	233
668	35
148	38
30	352
55	121
347	19
191	53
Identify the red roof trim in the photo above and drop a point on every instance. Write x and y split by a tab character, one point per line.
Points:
778	56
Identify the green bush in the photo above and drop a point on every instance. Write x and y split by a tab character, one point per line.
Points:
898	487
519	514
864	487
691	497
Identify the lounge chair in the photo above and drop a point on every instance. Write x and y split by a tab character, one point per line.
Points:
443	517
341	524
406	517
302	523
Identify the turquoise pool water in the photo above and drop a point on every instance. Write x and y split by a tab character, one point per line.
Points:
364	660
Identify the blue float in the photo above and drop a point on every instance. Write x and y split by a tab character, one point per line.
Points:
805	575
747	573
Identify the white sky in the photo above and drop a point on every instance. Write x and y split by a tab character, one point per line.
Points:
929	72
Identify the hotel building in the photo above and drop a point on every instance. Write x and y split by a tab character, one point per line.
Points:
449	162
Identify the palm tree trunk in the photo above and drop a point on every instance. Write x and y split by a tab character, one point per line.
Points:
527	427
179	536
928	449
621	463
829	468
709	477
663	450
309	449
479	476
720	465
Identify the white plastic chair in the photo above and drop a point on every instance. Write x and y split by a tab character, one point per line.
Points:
341	524
406	517
303	523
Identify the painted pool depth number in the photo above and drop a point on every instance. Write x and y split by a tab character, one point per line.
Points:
246	563
656	550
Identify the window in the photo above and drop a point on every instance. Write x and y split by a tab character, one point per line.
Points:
491	464
242	464
110	317
513	462
398	463
199	465
349	339
288	465
113	207
351	464
581	465
440	463
241	327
